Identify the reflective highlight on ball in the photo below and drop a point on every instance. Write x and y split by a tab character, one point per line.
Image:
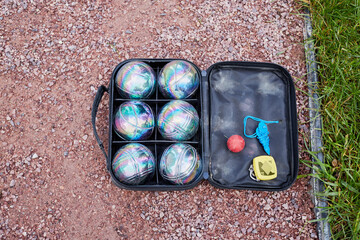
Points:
133	164
135	80
180	164
178	120
134	120
178	80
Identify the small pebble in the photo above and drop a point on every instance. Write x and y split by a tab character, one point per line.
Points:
72	47
12	183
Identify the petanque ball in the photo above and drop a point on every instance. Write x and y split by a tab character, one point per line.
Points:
180	164
178	80
134	120
178	120
133	164
135	80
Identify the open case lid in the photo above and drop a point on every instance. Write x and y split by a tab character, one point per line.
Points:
228	92
232	91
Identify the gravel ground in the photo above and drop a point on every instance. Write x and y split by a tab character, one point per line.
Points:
54	55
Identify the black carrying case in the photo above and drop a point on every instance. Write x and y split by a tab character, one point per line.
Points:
228	92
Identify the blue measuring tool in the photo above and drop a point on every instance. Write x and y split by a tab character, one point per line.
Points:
261	132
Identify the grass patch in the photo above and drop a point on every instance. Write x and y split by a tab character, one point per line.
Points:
336	31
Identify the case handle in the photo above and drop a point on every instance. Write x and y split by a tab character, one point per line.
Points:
100	92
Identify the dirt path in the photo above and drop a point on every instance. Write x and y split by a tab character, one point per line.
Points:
53	177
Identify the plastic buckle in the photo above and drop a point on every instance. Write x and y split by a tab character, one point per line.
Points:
264	168
252	174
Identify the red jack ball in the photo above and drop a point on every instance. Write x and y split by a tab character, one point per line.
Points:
235	143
